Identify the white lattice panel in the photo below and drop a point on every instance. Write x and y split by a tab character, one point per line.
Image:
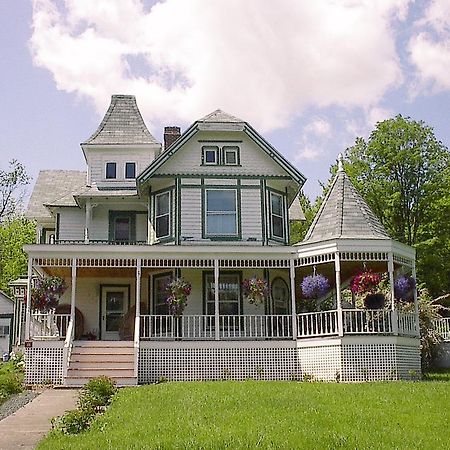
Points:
368	362
190	364
408	362
44	365
320	363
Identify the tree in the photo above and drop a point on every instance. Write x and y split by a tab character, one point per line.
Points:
14	234
403	172
300	228
11	195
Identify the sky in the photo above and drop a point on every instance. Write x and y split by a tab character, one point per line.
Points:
309	76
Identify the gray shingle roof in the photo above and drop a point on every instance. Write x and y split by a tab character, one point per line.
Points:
219	116
54	187
344	214
122	124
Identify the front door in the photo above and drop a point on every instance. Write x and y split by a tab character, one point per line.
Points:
114	307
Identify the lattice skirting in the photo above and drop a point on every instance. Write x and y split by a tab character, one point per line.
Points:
189	364
44	365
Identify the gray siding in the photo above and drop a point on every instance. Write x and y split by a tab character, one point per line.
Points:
71	223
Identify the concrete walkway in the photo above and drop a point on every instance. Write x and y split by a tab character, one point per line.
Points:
28	425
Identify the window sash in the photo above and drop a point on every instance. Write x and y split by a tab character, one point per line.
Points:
229	294
162	215
160	293
277	215
220	222
111	171
130	170
210	151
230	151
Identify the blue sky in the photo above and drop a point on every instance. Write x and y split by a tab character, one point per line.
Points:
310	76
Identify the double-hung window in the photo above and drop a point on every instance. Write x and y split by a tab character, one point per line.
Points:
122	226
229	294
162	215
221	218
111	171
277	215
130	170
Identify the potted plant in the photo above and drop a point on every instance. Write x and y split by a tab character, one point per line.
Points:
313	287
179	290
46	293
255	290
367	282
404	288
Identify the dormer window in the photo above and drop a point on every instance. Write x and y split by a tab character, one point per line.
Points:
210	156
231	156
130	170
111	171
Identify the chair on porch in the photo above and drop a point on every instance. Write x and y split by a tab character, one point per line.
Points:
126	330
79	319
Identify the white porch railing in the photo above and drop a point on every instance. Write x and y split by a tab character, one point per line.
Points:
202	327
407	324
443	328
323	323
367	321
67	350
49	325
137	325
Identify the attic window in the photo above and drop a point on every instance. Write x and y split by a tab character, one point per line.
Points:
210	155
231	156
130	170
111	170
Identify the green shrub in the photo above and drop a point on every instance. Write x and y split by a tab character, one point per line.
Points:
74	422
97	393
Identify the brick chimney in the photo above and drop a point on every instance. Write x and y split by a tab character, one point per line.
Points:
171	134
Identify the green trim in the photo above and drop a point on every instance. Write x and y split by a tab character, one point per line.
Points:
271	235
100	303
43	234
263	212
205	273
221	175
286	216
171	236
272	301
177	203
226	141
58	223
213	148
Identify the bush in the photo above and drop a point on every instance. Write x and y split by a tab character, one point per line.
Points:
11	378
97	393
74	422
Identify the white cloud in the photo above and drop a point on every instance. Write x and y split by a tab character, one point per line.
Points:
318	126
261	60
429	49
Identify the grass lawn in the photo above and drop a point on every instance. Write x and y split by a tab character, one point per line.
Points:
258	414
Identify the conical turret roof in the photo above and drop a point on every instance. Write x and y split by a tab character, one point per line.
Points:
122	124
344	214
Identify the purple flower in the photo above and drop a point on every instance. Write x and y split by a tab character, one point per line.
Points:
404	288
315	286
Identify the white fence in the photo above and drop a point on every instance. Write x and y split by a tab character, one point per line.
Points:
367	321
323	323
49	325
443	328
202	327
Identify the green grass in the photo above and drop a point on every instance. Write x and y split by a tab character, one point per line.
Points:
257	414
10	381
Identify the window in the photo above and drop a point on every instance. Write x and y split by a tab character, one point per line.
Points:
4	330
210	155
231	156
130	170
111	169
229	294
122	226
280	296
162	215
277	215
160	294
221	212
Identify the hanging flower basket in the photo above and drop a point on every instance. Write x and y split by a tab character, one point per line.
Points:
374	301
46	293
315	286
255	290
365	282
179	290
404	288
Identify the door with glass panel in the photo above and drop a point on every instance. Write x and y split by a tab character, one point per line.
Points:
115	303
230	302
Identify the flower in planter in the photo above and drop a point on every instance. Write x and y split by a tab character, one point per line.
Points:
404	288
315	286
366	281
374	301
179	290
255	289
46	293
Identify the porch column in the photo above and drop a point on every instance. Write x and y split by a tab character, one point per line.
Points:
87	226
138	287
216	299
28	305
337	269
72	296
416	303
149	220
293	305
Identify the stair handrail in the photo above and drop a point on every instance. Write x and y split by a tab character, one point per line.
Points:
137	329
67	350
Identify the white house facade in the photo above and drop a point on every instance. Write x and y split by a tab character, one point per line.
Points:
6	323
211	206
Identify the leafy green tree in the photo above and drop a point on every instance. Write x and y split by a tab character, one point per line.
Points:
300	228
403	172
12	183
14	234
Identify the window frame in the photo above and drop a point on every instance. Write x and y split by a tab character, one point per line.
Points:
272	214
235	150
113	215
169	213
115	170
208	148
207	274
154	277
206	233
125	170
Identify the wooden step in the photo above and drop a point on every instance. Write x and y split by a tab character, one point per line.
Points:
96	357
101	364
94	372
102	351
74	381
103	344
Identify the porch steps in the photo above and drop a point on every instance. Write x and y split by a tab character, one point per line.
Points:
90	359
